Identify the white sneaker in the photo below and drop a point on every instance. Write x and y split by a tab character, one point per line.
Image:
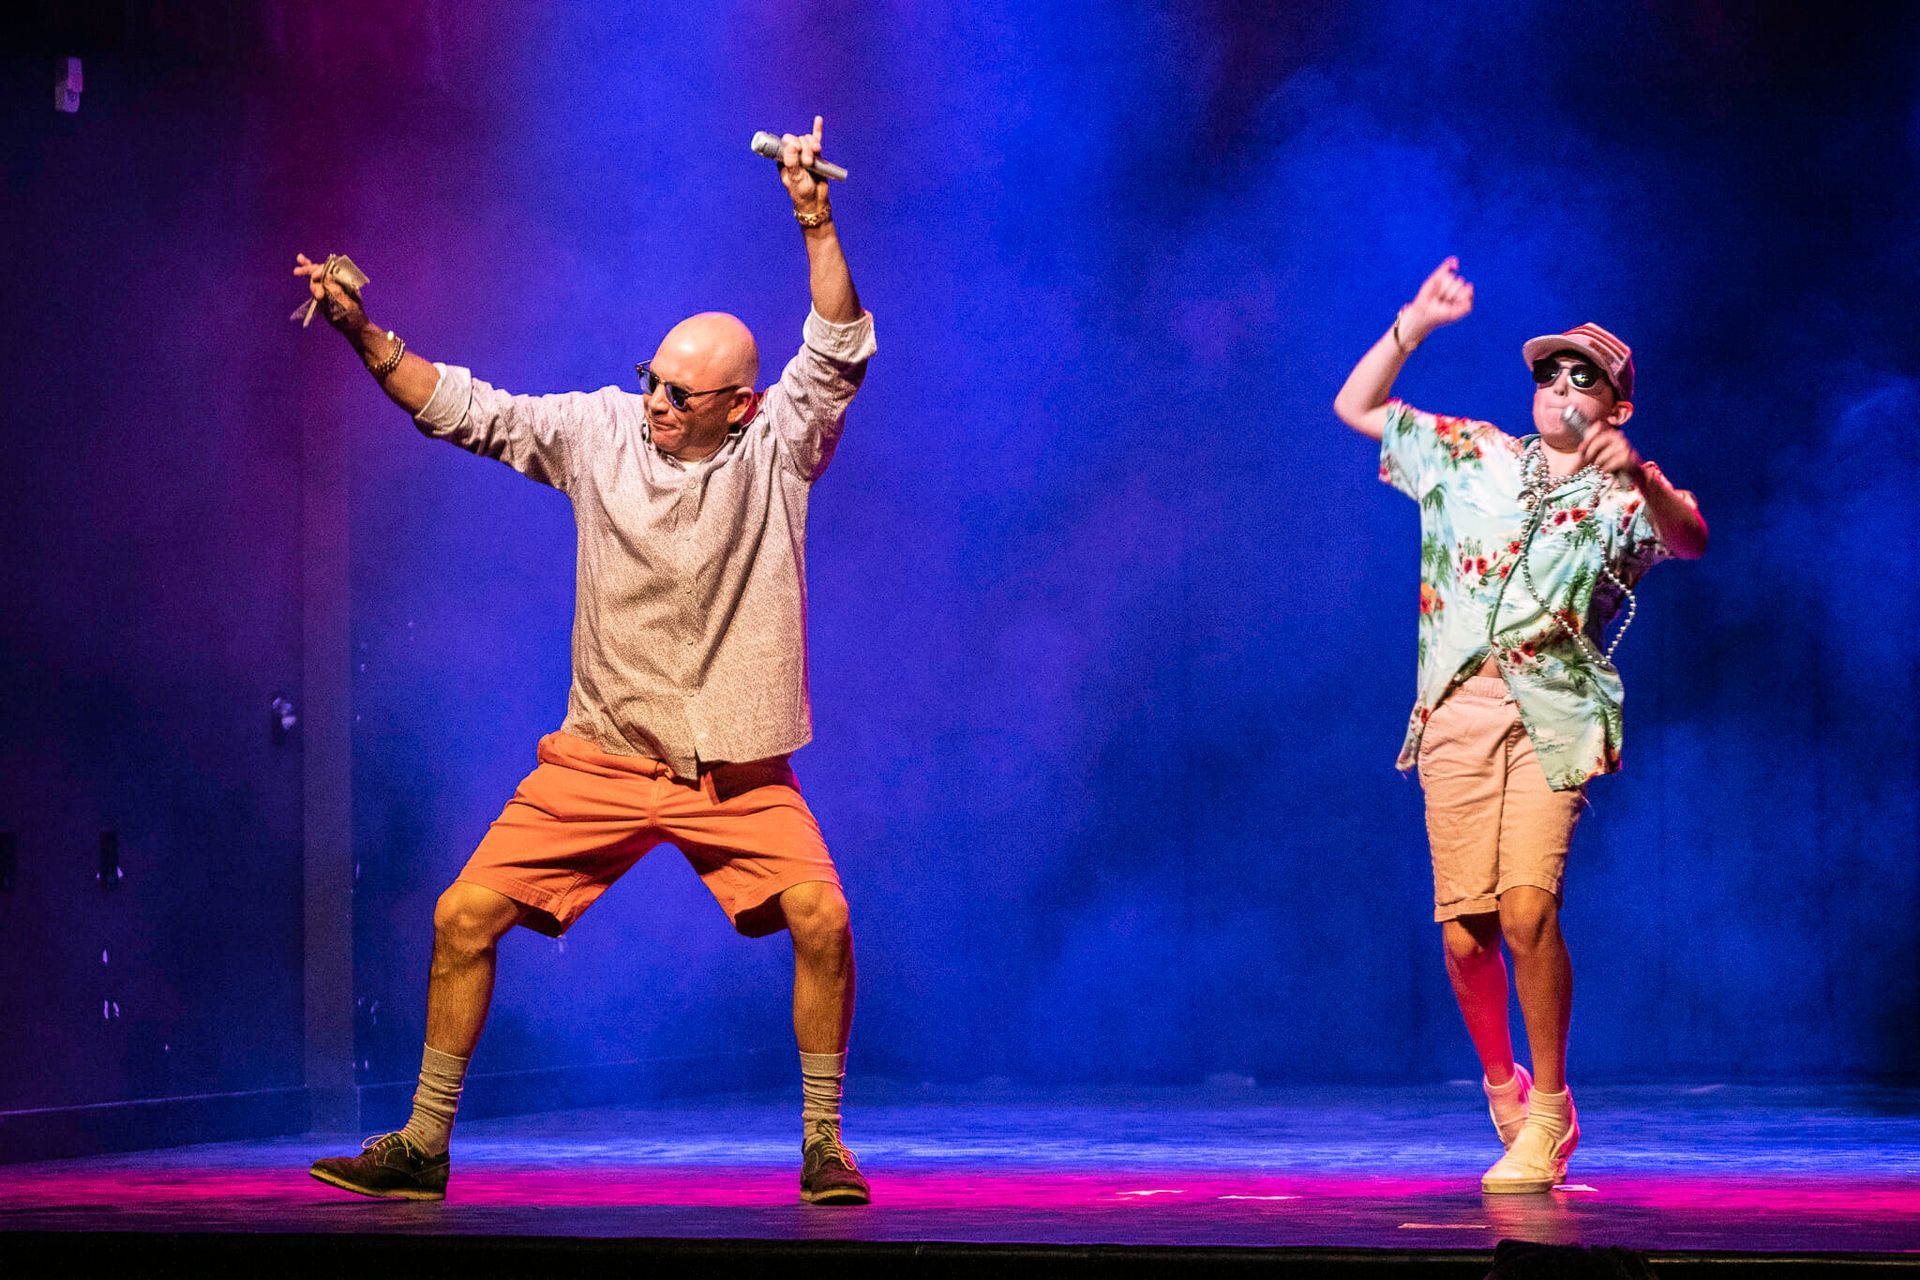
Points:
1508	1103
1537	1160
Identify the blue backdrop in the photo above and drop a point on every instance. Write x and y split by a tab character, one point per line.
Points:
1112	623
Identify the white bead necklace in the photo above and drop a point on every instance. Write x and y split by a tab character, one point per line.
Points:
1537	483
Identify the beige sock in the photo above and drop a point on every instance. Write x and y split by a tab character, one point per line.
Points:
1554	1110
435	1100
822	1077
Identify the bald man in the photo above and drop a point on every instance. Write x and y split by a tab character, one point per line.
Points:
689	673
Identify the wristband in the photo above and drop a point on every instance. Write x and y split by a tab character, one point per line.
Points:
1405	350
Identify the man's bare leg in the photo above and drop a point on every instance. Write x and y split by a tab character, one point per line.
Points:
822	1016
413	1163
822	966
468	923
1543	978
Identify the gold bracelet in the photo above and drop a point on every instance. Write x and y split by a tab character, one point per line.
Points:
811	220
392	362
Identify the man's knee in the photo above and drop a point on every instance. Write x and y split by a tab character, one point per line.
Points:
816	914
470	918
1529	919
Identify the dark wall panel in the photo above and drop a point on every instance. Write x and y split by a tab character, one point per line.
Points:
149	525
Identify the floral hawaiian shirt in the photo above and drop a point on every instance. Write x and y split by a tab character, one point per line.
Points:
1474	597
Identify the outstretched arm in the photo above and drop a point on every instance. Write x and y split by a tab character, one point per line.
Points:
827	273
539	436
1444	298
409	384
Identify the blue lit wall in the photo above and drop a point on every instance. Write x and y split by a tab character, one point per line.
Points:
1112	624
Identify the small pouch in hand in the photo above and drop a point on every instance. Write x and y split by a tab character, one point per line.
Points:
340	269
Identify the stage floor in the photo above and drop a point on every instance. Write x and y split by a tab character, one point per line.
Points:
1666	1170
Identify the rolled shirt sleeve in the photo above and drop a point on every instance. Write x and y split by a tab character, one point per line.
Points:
807	408
541	437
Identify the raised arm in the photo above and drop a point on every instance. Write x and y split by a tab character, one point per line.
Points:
827	273
408	384
807	407
1444	298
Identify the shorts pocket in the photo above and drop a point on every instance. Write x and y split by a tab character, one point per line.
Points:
1433	734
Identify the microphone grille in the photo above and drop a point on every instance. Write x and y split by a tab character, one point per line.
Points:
766	144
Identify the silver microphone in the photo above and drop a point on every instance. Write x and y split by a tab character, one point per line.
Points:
768	145
1578	422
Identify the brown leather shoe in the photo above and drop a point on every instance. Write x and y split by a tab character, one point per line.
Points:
388	1166
829	1173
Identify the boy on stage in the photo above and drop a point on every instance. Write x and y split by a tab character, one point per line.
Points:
1528	548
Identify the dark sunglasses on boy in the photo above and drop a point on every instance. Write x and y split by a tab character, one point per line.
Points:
1582	376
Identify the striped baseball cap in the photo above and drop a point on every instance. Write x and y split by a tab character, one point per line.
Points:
1614	357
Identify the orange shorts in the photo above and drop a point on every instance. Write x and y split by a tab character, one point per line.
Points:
1492	820
583	817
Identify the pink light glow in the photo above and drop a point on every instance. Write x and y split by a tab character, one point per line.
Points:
501	1183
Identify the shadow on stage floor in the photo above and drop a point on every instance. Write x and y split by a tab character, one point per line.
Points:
1289	1181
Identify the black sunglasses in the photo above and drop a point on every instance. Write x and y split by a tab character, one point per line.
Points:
677	396
1583	376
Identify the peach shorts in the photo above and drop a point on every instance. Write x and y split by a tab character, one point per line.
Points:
582	818
1492	821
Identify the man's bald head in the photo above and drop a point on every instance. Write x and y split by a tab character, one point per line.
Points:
714	362
712	349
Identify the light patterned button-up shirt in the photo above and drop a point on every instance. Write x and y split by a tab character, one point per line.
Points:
690	608
1474	598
